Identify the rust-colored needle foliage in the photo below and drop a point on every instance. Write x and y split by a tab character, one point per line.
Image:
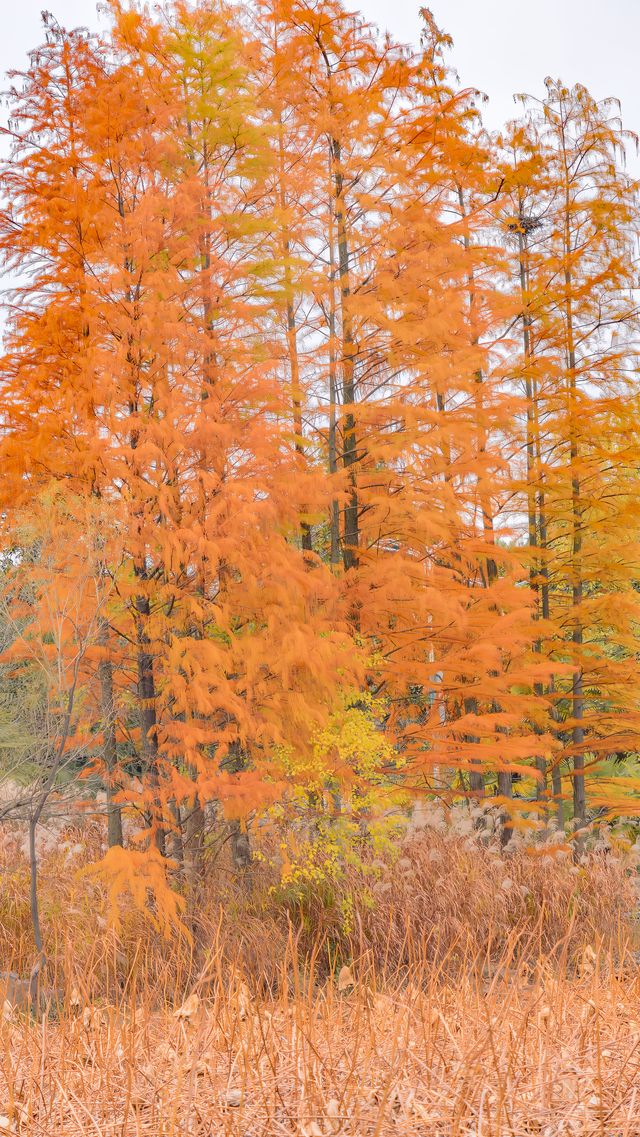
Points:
337	397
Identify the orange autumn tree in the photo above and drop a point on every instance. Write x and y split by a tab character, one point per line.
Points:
180	432
570	218
408	450
294	204
463	644
471	431
48	223
53	595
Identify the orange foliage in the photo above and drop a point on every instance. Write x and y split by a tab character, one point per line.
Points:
273	280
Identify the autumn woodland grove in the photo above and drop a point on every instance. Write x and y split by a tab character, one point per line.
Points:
319	588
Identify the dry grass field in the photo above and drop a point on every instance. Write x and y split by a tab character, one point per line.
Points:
531	1054
465	1003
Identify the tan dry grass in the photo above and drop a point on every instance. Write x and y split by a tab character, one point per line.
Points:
538	1052
492	996
447	896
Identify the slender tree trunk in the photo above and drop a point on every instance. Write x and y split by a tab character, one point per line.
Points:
146	684
476	776
556	787
35	978
240	846
188	827
194	844
534	491
240	843
334	515
505	778
349	438
544	588
110	747
148	721
505	789
579	792
176	833
292	342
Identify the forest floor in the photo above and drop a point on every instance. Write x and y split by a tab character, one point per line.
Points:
484	995
531	1054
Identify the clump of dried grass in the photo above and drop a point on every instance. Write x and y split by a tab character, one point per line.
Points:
449	896
456	897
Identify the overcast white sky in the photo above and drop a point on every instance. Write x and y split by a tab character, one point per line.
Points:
500	46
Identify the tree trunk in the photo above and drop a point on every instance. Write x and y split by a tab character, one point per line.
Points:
36	976
292	344
148	722
476	777
110	748
177	843
194	844
535	498
334	515
240	846
579	793
505	789
349	439
240	843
